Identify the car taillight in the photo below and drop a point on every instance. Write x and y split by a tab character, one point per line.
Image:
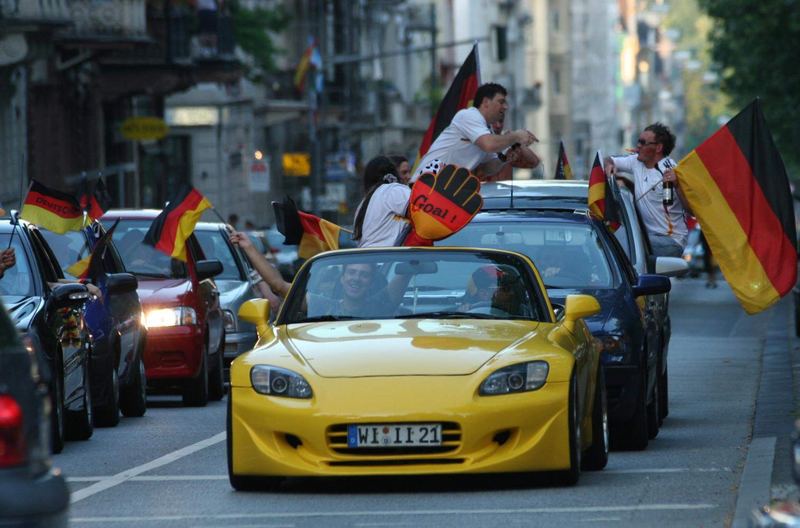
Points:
12	437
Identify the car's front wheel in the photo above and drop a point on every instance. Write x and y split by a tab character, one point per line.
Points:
633	434
133	400
596	457
570	476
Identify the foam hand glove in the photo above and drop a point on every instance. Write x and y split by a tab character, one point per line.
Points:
441	204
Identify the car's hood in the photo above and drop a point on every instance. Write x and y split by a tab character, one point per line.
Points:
22	309
607	298
403	347
162	291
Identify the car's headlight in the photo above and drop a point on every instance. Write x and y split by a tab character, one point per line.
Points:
178	316
516	378
615	349
279	382
230	321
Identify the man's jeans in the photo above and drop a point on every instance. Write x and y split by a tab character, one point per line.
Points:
664	246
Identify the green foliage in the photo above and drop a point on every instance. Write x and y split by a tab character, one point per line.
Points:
755	44
252	28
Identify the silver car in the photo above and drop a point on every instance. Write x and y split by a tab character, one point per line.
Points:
234	286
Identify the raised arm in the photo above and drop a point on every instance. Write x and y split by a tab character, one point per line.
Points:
270	275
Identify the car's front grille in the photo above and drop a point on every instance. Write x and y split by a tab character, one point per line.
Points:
451	441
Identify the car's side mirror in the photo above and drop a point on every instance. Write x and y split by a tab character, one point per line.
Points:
121	283
208	268
578	307
652	285
671	266
71	294
256	312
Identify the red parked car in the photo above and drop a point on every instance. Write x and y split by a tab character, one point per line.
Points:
180	307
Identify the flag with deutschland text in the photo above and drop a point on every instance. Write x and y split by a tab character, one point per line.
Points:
311	234
602	203
736	185
171	228
459	96
54	210
563	170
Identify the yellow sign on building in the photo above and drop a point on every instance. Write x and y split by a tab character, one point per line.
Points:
296	164
143	128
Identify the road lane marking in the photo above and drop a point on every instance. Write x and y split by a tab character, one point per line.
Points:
128	474
665	470
400	513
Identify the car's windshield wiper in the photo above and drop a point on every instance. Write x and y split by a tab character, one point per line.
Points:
323	318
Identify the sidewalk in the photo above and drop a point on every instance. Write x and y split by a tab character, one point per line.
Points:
767	474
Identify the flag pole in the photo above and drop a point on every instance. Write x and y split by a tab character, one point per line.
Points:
228	227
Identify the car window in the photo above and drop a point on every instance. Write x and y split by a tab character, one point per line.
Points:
567	254
216	246
68	248
17	281
388	285
624	263
142	259
47	260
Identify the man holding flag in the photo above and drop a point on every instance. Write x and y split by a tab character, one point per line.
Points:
468	141
651	169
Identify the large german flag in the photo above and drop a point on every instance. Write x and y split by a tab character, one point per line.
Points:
311	234
602	203
171	228
459	96
736	185
563	170
54	210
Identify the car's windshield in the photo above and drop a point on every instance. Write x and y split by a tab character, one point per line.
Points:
394	284
142	259
567	255
68	248
17	281
215	246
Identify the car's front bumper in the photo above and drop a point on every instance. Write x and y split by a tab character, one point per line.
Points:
173	352
273	436
41	501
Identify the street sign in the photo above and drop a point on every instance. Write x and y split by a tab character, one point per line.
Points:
259	175
297	164
143	128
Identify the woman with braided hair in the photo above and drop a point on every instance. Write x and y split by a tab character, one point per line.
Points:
381	215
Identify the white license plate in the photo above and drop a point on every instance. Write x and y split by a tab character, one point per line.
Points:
394	435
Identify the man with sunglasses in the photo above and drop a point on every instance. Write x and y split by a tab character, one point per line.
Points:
649	168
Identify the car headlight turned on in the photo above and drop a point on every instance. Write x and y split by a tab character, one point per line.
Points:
178	316
515	378
230	321
279	382
614	349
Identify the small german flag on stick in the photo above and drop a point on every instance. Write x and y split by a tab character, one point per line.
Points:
737	187
171	228
563	170
54	210
602	203
85	268
311	234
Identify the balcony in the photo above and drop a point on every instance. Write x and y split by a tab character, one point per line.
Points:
106	21
33	12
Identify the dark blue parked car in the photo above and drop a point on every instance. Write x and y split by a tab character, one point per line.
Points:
575	253
115	321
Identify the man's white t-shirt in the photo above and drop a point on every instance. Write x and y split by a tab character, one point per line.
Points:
456	144
385	217
649	194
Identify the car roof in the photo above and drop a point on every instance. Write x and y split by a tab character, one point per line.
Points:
132	214
6	226
209	226
538	194
568	215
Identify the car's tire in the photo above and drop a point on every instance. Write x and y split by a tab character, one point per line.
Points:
80	423
570	476
195	390
632	435
133	399
663	393
106	414
654	411
596	457
216	374
57	421
239	482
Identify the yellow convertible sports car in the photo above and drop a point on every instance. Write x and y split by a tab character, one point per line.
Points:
411	361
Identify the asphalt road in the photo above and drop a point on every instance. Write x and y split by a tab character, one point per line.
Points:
168	468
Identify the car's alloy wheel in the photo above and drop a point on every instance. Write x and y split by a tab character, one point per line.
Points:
240	482
596	457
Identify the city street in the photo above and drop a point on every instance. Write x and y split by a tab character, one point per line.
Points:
169	468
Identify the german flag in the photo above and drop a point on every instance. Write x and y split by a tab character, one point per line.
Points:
89	266
602	203
311	234
736	185
54	210
459	96
563	170
96	201
171	228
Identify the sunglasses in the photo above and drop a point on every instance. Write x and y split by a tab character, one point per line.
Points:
642	142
